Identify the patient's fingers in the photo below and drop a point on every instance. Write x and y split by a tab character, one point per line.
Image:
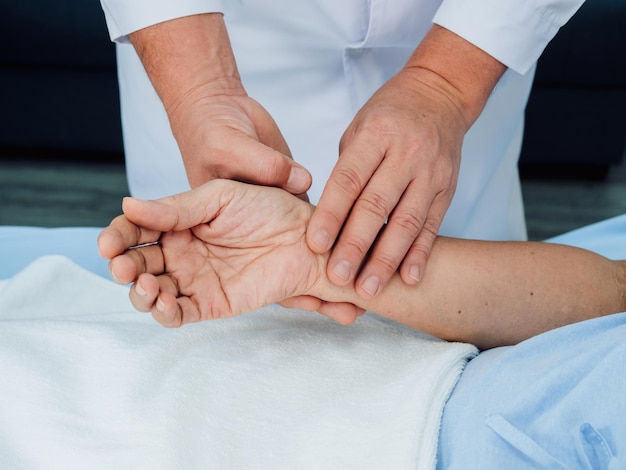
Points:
122	234
158	295
127	267
173	312
143	294
180	211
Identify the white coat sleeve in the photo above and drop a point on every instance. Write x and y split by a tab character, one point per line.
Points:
126	16
513	31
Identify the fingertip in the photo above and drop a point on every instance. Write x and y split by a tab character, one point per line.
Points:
346	319
411	275
341	273
104	248
128	201
319	240
299	180
110	240
122	269
113	274
166	312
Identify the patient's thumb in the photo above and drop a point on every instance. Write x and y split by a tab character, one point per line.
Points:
151	214
178	212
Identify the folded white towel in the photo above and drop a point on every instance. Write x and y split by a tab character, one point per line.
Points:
89	383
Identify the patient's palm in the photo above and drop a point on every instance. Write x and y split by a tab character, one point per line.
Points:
253	253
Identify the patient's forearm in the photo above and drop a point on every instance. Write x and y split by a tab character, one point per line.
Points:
497	293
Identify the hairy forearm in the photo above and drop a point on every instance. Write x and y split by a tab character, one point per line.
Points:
498	293
451	64
187	56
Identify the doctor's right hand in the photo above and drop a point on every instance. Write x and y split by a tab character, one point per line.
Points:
220	130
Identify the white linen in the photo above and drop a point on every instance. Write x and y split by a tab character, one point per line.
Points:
88	383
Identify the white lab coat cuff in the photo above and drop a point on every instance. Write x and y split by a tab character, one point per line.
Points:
515	32
126	16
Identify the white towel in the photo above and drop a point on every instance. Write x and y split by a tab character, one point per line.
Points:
89	383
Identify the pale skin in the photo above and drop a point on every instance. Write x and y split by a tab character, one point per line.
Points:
398	160
227	248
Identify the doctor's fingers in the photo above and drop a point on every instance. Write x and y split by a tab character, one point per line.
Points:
371	210
414	264
341	312
369	246
347	181
407	238
247	160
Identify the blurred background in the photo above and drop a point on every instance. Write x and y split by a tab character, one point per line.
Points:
61	154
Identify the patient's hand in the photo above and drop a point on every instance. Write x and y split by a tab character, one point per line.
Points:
224	249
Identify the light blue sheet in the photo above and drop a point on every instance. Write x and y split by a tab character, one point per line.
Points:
557	400
19	246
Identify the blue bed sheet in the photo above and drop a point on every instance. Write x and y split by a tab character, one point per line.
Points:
19	246
557	400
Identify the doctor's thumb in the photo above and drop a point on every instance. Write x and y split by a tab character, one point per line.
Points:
299	180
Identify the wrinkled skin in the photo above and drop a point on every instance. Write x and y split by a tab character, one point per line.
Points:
208	260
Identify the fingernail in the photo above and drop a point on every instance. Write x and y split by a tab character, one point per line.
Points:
322	240
114	277
414	272
139	290
371	285
298	180
160	306
343	270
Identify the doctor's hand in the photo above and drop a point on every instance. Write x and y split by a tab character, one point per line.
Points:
224	248
221	132
232	136
398	165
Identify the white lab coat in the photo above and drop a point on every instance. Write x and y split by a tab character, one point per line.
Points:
313	63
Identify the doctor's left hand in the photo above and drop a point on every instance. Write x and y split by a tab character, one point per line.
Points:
398	165
387	195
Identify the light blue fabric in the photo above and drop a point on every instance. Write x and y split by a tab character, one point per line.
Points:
557	400
607	237
19	246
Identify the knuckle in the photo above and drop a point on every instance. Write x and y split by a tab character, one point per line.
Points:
430	228
375	204
347	180
275	172
408	221
356	245
387	262
421	249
